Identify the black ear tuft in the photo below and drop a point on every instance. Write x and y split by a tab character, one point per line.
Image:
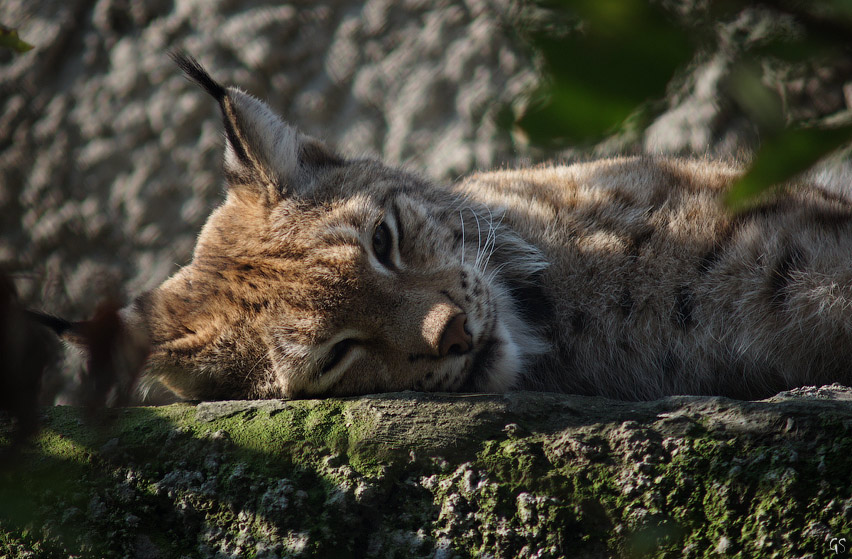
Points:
196	72
262	152
58	325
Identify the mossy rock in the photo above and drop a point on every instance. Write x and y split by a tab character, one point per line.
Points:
419	475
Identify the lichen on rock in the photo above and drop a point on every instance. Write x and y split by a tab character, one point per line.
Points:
416	475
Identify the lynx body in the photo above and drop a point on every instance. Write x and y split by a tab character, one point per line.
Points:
626	278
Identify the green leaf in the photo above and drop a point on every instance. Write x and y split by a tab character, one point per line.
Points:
9	39
839	9
762	104
573	111
784	156
621	57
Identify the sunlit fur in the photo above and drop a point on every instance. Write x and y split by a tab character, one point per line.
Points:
623	277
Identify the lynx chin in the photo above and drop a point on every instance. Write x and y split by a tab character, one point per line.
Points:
627	278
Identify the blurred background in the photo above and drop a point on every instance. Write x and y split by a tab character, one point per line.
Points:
110	161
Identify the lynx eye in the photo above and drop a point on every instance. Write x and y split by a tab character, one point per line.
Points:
382	243
336	354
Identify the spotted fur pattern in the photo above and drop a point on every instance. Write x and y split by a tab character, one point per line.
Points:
321	275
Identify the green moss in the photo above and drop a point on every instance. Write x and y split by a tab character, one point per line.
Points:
303	432
305	479
701	500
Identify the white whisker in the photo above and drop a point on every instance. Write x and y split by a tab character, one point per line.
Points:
461	218
493	273
250	371
478	239
493	238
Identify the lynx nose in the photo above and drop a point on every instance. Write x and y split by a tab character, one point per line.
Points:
455	340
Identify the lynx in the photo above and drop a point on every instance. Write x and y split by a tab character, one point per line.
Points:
626	278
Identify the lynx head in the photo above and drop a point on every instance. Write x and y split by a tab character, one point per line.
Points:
324	275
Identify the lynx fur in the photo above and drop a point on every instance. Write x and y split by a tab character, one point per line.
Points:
627	278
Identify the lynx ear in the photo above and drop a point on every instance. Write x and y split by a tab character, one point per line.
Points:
262	150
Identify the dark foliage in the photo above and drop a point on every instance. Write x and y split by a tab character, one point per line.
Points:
610	63
115	358
28	345
26	349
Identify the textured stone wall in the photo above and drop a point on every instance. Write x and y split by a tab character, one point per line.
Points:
110	160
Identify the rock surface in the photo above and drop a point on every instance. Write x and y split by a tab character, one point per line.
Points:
409	475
